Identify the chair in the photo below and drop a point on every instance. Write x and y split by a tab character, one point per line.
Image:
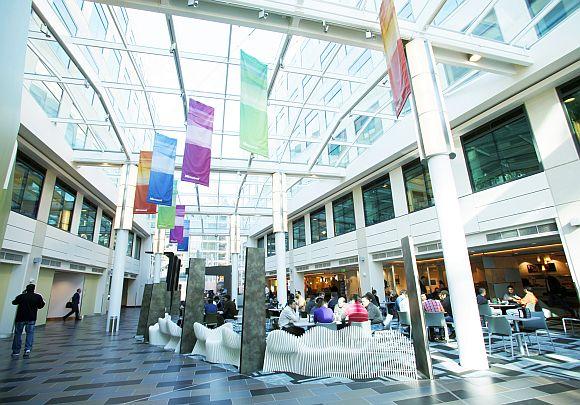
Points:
366	325
331	326
387	321
404	320
536	326
499	325
484	310
174	343
437	320
211	320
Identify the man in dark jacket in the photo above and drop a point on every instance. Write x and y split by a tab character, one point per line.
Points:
229	307
75	300
28	304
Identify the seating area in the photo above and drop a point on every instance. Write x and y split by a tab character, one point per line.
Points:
220	345
165	333
352	352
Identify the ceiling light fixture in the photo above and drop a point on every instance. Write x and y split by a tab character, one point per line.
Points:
192	3
570	100
325	26
369	34
262	14
474	57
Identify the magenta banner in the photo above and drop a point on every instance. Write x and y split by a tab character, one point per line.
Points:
197	155
176	233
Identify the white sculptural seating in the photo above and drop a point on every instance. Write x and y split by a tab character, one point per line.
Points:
220	345
165	333
352	352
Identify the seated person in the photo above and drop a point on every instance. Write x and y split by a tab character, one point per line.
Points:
323	314
529	301
340	309
229	308
511	296
217	303
431	305
288	317
446	303
402	302
210	307
311	304
333	300
374	313
482	297
355	312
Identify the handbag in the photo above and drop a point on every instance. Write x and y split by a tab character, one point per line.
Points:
68	304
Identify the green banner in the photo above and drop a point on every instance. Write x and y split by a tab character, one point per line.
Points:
253	105
165	214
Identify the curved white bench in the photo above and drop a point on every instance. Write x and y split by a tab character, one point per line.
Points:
159	333
175	336
220	345
352	352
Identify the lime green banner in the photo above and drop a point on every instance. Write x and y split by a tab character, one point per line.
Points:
165	214
253	105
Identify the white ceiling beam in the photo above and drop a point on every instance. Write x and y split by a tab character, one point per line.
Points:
429	12
223	165
347	25
243	211
488	65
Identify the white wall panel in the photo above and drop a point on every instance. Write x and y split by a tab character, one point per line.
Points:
19	233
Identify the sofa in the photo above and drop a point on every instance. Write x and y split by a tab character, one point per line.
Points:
220	345
351	352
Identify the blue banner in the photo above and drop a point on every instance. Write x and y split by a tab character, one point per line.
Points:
183	246
162	170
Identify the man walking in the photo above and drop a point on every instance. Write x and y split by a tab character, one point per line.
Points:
28	304
75	301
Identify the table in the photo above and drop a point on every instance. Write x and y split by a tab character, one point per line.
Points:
504	307
571	320
276	310
516	320
304	324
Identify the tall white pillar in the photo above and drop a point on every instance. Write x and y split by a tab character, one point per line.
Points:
436	147
158	251
123	224
280	225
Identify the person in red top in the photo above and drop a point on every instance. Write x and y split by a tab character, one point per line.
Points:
355	311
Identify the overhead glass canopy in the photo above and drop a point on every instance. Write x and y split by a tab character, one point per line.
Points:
312	82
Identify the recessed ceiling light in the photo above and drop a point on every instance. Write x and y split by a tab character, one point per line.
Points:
474	57
570	99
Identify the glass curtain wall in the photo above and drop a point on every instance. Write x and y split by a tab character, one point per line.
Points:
270	245
28	181
417	186
137	254
318	225
130	244
105	230
88	220
343	212
298	233
378	201
501	151
62	206
570	96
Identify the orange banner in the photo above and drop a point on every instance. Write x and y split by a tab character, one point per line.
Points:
141	206
395	52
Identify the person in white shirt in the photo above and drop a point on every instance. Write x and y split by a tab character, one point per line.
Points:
404	302
289	315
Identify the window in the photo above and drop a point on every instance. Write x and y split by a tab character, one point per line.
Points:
489	28
105	231
361	64
61	206
326	53
137	254
501	151
87	222
343	212
286	241
378	201
334	96
130	244
47	96
270	245
298	233
99	22
62	11
570	96
371	128
562	10
28	180
261	243
417	186
335	150
318	225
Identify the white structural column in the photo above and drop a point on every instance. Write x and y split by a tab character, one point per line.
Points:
235	253
280	225
158	250
123	224
435	146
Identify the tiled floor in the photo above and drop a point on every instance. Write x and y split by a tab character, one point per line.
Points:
77	362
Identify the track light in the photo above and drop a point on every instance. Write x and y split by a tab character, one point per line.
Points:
173	48
192	3
474	57
44	30
369	34
262	14
325	26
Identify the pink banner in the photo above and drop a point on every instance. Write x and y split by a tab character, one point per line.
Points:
197	155
176	233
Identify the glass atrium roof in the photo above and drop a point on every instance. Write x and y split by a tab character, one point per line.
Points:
324	107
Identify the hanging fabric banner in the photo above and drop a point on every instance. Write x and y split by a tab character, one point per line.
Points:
141	206
395	52
197	155
183	245
166	215
162	168
253	105
176	234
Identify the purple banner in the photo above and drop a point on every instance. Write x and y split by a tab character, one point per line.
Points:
197	155
176	233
